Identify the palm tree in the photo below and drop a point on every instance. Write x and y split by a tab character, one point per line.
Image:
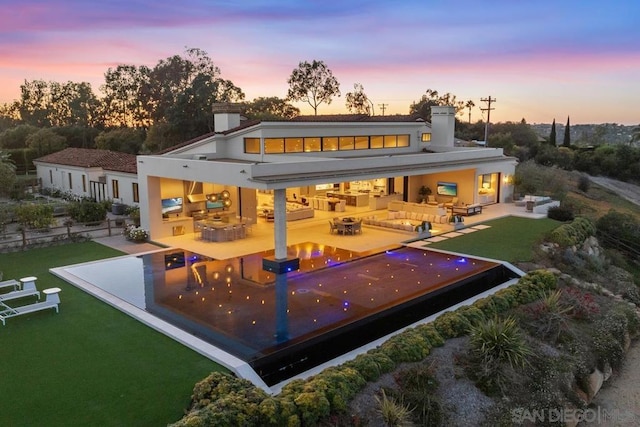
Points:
469	104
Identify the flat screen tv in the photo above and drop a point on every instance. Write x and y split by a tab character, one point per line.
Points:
215	205
172	205
447	189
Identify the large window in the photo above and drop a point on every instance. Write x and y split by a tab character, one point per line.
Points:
330	144
115	190
84	183
293	145
252	145
362	142
312	145
327	143
273	145
70	181
136	195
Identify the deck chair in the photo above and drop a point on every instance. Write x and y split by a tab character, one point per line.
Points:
10	284
28	289
52	301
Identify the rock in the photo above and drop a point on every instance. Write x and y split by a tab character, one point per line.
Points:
595	381
608	371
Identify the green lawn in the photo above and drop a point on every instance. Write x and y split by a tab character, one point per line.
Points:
90	364
509	239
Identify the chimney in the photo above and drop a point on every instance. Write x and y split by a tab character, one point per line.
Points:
443	125
226	115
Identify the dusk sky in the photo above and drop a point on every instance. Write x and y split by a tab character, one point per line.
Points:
541	60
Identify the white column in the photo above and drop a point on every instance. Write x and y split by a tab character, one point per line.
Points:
280	223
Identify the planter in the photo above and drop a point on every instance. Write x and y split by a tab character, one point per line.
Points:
117	209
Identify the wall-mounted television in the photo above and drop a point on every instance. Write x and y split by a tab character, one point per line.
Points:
172	205
215	205
447	189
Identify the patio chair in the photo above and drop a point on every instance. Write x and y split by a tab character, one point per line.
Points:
333	227
10	284
52	301
28	289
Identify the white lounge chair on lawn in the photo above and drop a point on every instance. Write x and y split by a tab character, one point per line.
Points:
52	301
10	284
28	289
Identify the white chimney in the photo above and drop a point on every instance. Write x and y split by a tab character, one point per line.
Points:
226	115
443	125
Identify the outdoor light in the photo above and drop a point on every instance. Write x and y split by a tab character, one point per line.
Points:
486	185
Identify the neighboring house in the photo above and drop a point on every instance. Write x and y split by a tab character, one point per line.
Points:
310	156
98	174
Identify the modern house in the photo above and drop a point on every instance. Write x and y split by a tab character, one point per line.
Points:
97	174
274	168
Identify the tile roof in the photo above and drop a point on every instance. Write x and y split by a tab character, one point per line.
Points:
92	158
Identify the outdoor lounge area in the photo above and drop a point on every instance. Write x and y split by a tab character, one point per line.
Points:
13	303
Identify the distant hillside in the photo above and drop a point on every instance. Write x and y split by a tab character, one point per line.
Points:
607	133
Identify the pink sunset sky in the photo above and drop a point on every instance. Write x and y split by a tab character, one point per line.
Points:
541	60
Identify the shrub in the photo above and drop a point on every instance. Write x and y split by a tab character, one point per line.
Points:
417	386
372	364
393	413
548	316
609	337
135	234
573	233
582	304
34	215
87	211
560	213
409	346
584	183
494	344
451	325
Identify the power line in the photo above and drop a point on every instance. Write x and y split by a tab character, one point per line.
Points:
488	100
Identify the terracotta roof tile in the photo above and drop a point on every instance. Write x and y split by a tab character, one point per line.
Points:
92	158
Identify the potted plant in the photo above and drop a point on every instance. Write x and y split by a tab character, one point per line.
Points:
424	191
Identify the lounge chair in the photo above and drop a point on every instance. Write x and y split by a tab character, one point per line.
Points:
10	284
28	289
52	301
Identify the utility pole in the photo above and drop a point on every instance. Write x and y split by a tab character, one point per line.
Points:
383	107
488	100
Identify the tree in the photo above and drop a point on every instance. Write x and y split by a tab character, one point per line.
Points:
432	98
125	140
7	173
358	102
312	83
552	135
46	141
567	135
16	137
121	105
270	108
469	104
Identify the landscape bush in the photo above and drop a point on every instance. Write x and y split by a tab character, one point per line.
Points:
573	233
87	211
417	387
452	325
560	213
34	215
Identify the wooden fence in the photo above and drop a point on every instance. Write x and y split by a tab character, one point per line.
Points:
16	239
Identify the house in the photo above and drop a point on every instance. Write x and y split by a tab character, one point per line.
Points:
97	174
365	160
